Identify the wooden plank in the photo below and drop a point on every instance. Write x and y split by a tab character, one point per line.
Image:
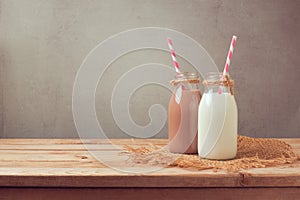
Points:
53	156
60	147
156	171
47	164
92	144
149	193
58	164
168	177
78	141
54	147
273	176
103	141
106	177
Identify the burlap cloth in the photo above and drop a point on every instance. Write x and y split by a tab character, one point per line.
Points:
252	153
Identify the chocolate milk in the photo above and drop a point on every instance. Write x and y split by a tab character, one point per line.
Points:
183	121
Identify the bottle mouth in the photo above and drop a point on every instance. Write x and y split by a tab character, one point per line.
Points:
187	75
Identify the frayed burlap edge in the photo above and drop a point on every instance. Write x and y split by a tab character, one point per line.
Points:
252	153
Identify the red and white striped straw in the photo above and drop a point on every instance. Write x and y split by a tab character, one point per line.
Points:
173	56
228	59
229	56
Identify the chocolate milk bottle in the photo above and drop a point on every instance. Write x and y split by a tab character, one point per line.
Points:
183	113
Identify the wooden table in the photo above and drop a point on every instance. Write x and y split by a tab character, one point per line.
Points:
64	169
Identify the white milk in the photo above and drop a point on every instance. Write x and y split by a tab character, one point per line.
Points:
217	126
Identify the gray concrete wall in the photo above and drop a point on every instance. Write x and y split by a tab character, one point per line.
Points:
43	43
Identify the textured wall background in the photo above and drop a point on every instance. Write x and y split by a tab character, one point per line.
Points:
43	43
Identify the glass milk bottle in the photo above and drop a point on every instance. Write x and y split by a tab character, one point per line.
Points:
217	119
183	113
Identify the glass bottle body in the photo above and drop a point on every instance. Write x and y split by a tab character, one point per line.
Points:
183	114
217	119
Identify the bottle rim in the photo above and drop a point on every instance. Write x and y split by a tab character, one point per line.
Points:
187	75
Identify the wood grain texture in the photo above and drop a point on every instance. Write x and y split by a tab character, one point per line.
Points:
67	163
149	193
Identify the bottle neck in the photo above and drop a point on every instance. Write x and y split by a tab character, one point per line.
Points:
218	83
186	80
